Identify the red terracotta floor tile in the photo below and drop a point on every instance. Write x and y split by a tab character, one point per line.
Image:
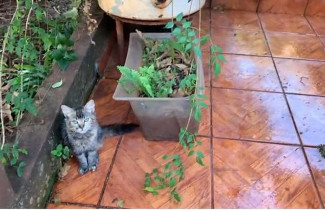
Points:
316	8
258	175
131	117
137	156
235	20
108	110
294	7
76	188
317	165
248	72
318	23
251	115
205	25
240	41
300	76
247	5
296	46
322	38
288	23
309	115
111	71
62	206
205	21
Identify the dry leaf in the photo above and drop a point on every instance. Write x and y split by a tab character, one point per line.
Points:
7	112
64	171
164	63
6	87
178	93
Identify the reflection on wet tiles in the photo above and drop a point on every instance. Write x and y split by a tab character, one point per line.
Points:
251	115
235	20
264	176
240	41
295	46
318	24
299	76
309	115
317	165
294	7
247	5
316	8
248	72
288	23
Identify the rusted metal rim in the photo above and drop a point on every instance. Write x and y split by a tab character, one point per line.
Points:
145	10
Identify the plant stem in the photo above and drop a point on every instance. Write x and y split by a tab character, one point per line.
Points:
22	59
5	41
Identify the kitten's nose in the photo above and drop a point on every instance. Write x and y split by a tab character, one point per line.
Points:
81	125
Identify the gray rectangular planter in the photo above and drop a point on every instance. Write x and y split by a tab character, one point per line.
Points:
159	118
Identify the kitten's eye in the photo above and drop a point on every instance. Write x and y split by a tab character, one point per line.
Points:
86	119
75	121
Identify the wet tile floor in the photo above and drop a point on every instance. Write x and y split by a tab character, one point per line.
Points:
266	116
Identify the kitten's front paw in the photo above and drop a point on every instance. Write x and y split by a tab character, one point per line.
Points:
93	168
82	171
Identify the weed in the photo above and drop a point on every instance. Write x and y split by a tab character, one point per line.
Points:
10	155
61	152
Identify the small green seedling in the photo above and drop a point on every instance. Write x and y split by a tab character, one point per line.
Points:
61	152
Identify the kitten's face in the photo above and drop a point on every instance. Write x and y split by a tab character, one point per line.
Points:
79	120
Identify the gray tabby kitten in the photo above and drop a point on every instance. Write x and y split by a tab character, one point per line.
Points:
83	134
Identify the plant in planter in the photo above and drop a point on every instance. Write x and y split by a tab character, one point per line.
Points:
163	80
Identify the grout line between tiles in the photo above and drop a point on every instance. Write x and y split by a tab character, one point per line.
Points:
110	207
315	31
109	171
257	141
211	127
258	6
299	59
75	204
270	56
313	178
303	94
306	8
268	91
294	122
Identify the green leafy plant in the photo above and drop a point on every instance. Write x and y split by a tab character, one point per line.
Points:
10	155
61	152
166	178
33	42
149	81
173	62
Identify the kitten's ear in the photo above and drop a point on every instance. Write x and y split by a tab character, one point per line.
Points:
90	106
66	110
